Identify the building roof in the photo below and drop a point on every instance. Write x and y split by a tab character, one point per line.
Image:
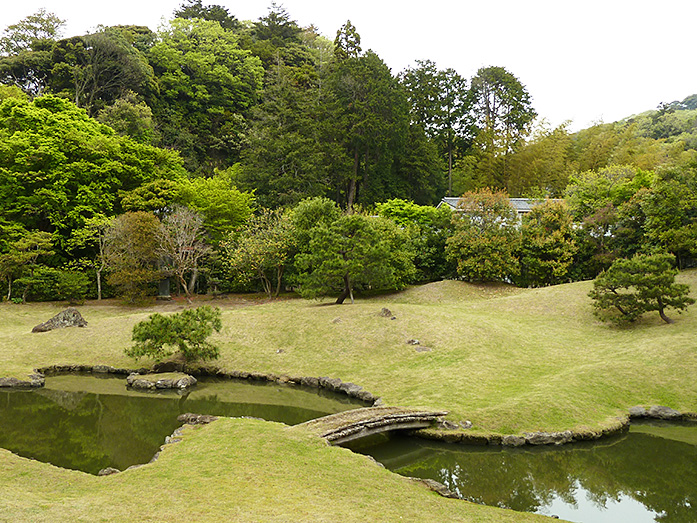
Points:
521	205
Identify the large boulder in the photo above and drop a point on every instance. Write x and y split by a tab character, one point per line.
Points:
70	317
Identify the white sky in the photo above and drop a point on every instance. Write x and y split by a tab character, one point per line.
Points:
583	61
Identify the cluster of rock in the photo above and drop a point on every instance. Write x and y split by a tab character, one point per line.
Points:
323	382
33	381
157	381
656	412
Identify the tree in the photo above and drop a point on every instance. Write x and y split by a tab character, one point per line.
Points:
186	331
97	69
371	122
428	229
30	31
354	251
261	250
347	43
94	234
222	205
131	252
129	116
485	237
191	9
22	256
290	155
502	113
547	245
181	245
643	283
26	49
438	101
543	165
58	167
207	85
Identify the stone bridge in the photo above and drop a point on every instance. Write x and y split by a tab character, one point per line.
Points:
360	423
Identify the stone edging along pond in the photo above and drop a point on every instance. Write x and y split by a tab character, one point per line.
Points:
446	431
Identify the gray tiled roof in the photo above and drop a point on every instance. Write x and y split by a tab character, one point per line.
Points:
521	205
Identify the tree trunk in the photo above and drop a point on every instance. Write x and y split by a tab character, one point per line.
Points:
352	184
450	169
279	277
662	313
187	294
346	292
99	285
194	278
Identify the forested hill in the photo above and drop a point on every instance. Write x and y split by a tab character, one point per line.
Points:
234	123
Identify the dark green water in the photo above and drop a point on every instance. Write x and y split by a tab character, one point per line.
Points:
648	474
89	423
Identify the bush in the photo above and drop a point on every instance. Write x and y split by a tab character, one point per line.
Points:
631	287
48	284
159	336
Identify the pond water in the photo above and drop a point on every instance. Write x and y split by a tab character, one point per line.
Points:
88	422
648	474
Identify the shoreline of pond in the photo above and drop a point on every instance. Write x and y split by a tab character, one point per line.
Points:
447	431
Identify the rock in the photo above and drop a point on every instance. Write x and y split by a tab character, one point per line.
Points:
637	412
437	487
350	389
449	425
660	412
513	441
34	381
330	383
194	419
549	438
336	320
70	317
385	313
159	381
413	342
422	349
102	369
108	471
466	424
309	382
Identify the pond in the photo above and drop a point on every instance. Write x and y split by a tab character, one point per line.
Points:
647	474
89	422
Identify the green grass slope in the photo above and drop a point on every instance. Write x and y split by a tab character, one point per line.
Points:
234	470
509	360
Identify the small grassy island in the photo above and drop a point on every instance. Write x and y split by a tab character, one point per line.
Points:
507	360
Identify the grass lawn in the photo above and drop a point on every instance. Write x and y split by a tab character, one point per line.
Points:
509	360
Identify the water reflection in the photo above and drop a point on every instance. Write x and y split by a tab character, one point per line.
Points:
648	474
89	423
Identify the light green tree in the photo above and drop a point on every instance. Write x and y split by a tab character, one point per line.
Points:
261	250
485	237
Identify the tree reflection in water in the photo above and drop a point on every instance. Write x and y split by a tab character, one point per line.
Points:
651	470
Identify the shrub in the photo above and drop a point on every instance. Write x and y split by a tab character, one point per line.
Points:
631	287
159	336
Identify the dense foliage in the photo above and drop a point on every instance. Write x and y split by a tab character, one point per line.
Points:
262	155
